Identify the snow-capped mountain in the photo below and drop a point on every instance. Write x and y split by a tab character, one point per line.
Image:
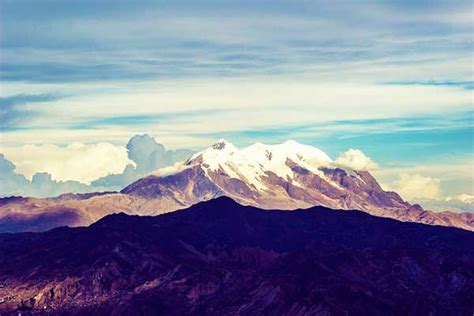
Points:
284	176
254	163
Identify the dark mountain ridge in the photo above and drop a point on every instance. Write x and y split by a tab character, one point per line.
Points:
218	257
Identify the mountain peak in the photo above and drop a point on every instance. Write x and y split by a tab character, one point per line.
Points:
253	164
291	142
221	144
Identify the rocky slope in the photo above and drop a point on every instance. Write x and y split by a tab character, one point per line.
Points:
41	214
221	258
285	176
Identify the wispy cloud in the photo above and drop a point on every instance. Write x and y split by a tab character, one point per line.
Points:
13	109
455	172
145	121
22	99
228	39
423	138
469	85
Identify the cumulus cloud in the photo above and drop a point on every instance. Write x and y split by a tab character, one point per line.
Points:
117	181
80	168
356	160
40	185
11	182
464	198
459	203
148	155
416	186
79	162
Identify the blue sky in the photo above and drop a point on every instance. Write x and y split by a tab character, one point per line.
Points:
391	78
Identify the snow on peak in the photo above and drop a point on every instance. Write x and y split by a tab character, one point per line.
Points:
275	158
254	162
291	142
216	155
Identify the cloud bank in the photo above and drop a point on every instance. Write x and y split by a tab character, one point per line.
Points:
79	162
41	184
460	203
416	186
81	168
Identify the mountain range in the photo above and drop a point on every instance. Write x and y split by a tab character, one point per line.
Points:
219	258
286	176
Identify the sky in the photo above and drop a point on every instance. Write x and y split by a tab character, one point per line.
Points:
393	79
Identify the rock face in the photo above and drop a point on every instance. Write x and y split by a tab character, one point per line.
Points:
287	176
221	258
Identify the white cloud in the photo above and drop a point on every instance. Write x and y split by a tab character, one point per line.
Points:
456	174
319	100
416	186
356	160
50	170
239	104
463	198
78	161
241	63
460	203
